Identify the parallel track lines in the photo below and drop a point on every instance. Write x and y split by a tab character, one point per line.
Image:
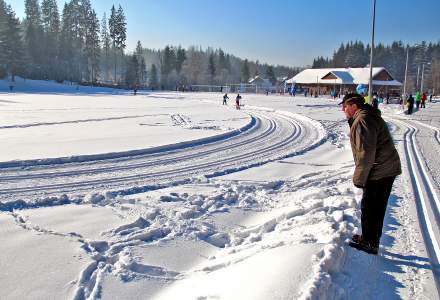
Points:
148	160
428	205
275	140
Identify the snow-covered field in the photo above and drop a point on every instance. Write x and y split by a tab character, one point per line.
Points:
107	195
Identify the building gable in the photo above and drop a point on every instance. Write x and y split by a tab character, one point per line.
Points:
330	76
383	76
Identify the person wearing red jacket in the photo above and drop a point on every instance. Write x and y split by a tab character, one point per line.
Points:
423	101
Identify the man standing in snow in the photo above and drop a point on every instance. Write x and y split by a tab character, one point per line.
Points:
377	164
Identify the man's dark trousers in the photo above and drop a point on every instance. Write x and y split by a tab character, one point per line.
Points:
374	204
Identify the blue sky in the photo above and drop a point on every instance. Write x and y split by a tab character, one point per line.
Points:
287	32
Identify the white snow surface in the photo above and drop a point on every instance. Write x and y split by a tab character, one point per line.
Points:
163	195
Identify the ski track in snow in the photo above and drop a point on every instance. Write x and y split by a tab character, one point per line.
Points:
274	135
425	191
72	121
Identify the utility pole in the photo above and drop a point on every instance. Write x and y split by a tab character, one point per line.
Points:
418	73
406	71
370	83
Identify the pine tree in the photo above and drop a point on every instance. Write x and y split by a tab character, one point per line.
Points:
228	62
223	67
66	44
51	28
84	40
169	60
74	30
143	71
339	57
351	59
154	82
139	49
141	63
380	56
106	44
222	59
118	32
195	65
320	62
113	28
13	49
270	73
397	56
211	67
34	36
168	63
180	58
132	73
355	55
245	74
92	45
3	31
121	29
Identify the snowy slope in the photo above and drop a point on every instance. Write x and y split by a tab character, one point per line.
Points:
174	196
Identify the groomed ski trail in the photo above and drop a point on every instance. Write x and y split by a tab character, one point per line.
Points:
423	188
270	135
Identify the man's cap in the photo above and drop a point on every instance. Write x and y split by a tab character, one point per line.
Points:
353	98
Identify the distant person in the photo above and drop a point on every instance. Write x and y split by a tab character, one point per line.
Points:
237	101
11	85
367	98
225	99
430	98
375	102
388	98
305	92
410	104
377	164
403	99
423	101
418	99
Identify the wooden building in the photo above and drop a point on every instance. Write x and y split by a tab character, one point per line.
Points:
343	80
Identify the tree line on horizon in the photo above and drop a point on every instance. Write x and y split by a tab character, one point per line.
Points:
422	57
76	46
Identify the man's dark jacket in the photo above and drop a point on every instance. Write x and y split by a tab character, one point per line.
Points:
375	156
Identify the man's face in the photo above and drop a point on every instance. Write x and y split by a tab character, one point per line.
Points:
349	109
